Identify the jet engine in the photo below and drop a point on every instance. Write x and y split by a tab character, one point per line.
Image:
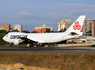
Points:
16	42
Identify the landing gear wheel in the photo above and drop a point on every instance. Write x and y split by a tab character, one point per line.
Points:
38	45
29	45
10	45
43	45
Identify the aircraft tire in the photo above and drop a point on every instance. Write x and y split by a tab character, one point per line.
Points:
29	45
10	45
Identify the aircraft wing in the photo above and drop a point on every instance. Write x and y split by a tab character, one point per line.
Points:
87	33
28	40
80	37
32	40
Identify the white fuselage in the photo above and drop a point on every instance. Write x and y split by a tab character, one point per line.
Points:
39	37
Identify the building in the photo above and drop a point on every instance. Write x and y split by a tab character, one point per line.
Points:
5	26
17	27
64	24
89	25
43	28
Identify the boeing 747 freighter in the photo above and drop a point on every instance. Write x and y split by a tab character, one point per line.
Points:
73	31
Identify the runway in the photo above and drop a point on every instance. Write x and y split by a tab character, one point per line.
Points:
51	49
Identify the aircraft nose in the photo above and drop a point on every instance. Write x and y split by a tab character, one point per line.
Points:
4	38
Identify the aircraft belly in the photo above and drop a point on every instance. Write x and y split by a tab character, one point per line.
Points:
46	38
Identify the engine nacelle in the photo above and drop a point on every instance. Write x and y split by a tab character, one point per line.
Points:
16	42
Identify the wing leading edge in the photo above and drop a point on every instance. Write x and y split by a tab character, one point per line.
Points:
28	40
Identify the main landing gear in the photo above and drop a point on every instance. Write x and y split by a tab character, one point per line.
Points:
35	45
39	45
29	45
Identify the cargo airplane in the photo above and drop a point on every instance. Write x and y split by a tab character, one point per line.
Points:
73	31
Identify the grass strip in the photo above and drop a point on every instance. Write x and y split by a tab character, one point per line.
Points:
60	61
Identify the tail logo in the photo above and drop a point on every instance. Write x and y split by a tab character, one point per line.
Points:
77	26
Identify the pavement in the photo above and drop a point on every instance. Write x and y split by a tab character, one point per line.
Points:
69	45
51	49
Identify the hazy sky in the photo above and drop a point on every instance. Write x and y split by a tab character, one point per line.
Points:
32	13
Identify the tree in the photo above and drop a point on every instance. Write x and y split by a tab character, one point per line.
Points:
15	30
25	31
34	32
3	31
52	31
47	31
63	30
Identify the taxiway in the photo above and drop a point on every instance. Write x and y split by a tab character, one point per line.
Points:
51	49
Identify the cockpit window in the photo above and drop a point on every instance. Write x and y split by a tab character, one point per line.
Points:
6	35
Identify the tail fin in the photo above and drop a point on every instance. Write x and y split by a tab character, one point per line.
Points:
77	25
